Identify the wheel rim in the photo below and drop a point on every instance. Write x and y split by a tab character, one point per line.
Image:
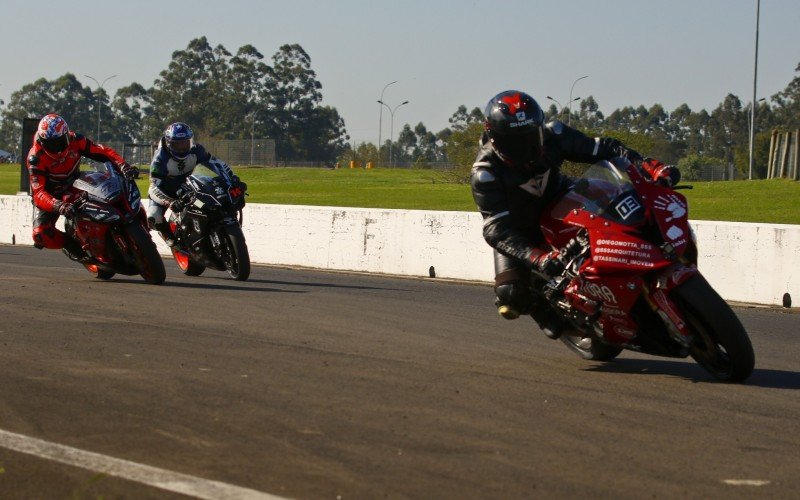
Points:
582	343
181	258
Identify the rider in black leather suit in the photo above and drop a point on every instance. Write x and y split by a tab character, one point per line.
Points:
516	174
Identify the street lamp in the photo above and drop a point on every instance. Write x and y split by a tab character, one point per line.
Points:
380	116
99	104
755	78
569	104
391	130
561	111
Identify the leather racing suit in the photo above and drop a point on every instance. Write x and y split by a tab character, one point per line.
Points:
168	173
51	178
511	199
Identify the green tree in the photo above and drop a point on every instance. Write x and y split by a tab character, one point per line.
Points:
787	105
64	95
462	148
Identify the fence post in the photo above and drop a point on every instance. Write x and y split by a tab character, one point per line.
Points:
785	152
772	140
796	175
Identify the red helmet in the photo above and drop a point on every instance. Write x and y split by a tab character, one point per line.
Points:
53	135
515	126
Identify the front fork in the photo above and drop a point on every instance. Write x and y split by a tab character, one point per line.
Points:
658	298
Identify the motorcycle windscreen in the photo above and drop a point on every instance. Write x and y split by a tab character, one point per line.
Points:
617	202
100	186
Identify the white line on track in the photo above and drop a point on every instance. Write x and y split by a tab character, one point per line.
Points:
144	474
746	482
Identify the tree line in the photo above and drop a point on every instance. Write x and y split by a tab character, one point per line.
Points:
220	94
238	96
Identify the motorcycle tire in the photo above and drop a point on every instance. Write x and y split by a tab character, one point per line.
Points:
589	348
147	258
721	344
98	273
238	257
186	264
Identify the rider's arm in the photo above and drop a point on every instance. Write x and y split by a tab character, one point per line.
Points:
578	147
38	180
158	172
498	228
97	152
218	166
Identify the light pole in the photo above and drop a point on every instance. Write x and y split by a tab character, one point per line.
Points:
559	104
755	78
99	104
391	130
380	117
569	104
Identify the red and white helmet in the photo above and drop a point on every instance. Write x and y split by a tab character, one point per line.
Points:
53	135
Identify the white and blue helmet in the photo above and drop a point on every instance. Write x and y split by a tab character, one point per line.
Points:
178	139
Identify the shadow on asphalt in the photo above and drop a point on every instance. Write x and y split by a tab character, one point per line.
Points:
326	285
205	286
773	379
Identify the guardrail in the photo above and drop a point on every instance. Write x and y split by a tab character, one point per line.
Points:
754	263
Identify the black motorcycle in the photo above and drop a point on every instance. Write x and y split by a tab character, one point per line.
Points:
207	223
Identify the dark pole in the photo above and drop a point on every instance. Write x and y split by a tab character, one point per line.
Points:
29	126
755	79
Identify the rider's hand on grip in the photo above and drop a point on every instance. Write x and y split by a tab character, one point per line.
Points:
548	264
129	171
66	209
665	175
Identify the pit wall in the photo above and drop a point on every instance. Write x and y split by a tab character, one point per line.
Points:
754	263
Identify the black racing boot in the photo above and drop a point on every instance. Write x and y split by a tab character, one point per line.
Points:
544	316
165	232
73	250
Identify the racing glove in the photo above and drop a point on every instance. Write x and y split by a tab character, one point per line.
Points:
665	175
129	171
548	263
64	208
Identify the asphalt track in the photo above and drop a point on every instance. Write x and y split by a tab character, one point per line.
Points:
308	384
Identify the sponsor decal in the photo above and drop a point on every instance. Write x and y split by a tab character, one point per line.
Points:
627	206
624	331
601	292
520	116
672	204
674	233
537	184
521	123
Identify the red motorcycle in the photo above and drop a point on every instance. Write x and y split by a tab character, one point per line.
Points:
111	226
631	279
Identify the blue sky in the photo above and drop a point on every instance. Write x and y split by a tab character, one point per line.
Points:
443	53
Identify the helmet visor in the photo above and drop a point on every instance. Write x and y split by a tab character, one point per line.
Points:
518	148
55	145
179	147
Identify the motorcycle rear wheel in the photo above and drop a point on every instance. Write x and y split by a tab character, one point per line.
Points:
186	264
589	348
147	258
237	260
721	344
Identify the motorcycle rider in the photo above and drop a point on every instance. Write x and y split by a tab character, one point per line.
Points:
53	165
174	160
515	175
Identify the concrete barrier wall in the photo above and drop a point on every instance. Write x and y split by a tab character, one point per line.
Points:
745	262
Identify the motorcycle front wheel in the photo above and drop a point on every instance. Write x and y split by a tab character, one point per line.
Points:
720	342
146	256
237	258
